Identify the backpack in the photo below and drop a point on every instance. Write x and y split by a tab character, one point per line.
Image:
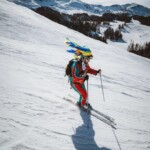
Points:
68	68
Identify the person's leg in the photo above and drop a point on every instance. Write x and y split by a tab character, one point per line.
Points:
82	92
80	98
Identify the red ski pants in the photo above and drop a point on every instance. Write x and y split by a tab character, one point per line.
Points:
80	88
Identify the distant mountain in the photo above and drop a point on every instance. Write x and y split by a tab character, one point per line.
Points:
77	6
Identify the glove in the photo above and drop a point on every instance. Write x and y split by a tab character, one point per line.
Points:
98	71
86	77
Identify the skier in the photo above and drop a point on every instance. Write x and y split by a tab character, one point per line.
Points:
79	71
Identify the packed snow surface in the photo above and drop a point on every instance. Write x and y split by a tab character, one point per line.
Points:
33	114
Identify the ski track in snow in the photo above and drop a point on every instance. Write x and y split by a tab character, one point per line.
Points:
33	115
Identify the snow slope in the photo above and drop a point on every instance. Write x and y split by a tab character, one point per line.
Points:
78	6
33	114
133	31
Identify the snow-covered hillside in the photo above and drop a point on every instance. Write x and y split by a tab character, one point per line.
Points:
133	31
145	3
33	114
78	6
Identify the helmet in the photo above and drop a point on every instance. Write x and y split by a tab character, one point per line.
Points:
84	53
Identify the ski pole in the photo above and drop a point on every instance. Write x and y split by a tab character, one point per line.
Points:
102	87
116	137
87	91
88	103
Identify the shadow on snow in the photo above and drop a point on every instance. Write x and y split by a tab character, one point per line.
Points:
83	139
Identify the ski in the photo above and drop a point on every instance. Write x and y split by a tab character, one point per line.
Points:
96	111
99	116
108	122
102	114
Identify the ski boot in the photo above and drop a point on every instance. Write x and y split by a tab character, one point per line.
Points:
88	106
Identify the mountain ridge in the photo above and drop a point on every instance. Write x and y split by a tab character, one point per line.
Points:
70	7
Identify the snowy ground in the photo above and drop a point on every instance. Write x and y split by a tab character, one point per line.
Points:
133	31
33	114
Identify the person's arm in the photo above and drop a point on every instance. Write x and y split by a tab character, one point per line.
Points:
92	71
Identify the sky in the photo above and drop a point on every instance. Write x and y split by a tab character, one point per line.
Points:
111	2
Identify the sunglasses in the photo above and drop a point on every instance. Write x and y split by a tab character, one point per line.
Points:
88	58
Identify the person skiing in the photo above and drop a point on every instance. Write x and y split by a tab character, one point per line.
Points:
79	74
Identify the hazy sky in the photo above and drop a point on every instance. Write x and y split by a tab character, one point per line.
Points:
110	2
